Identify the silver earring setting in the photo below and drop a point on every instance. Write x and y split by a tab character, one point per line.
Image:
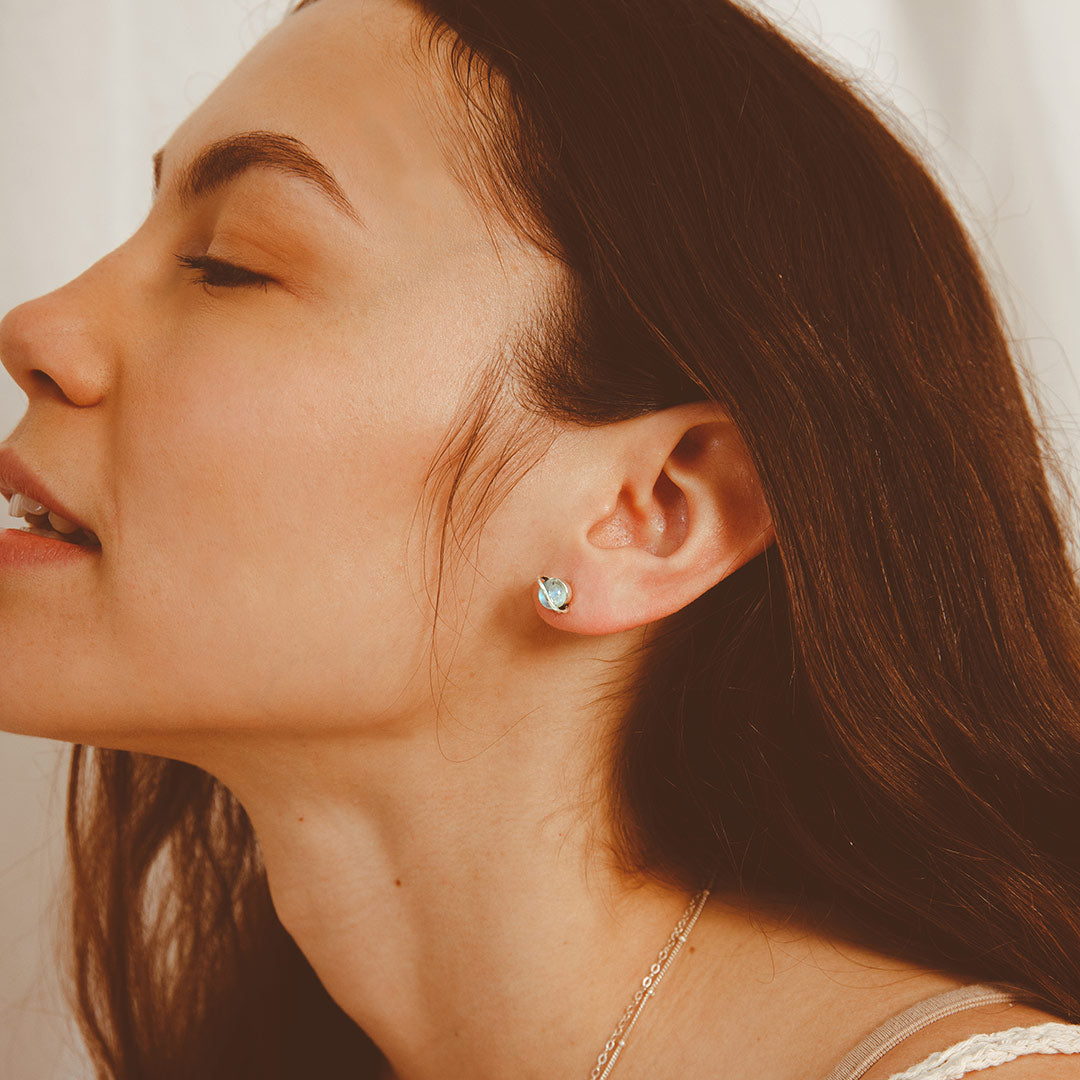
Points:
554	594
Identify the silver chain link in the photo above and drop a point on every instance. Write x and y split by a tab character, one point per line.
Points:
614	1046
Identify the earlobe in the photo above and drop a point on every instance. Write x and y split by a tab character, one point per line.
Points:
682	507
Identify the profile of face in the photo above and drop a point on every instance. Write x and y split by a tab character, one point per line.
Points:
250	444
244	399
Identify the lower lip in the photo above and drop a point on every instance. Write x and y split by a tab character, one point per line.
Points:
23	549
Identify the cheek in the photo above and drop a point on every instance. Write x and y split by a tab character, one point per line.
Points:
262	554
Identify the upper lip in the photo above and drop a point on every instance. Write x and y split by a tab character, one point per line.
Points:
17	477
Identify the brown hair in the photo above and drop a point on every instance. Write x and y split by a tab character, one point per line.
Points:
874	722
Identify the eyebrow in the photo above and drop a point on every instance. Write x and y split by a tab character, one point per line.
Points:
223	161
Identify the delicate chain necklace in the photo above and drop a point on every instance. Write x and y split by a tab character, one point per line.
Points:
614	1046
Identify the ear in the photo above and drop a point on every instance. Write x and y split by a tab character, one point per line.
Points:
666	506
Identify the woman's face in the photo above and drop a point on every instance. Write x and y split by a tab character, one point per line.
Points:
250	449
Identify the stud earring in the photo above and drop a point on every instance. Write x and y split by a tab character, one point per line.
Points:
554	594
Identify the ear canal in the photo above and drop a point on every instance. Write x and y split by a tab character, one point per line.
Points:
670	526
554	594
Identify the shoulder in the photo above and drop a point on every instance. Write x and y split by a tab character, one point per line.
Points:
983	1020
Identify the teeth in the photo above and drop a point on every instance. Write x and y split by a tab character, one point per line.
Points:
61	524
19	505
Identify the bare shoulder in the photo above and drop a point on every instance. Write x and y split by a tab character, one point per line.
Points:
983	1020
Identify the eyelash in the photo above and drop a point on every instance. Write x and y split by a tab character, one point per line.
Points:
217	272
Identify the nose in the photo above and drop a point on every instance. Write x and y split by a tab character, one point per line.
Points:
58	346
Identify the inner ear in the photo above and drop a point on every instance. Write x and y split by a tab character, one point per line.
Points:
658	527
670	516
695	442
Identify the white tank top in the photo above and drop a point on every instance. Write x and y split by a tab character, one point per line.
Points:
975	1053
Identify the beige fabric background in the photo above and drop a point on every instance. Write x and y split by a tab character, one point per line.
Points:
88	91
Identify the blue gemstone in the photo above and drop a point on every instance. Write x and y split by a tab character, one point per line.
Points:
557	591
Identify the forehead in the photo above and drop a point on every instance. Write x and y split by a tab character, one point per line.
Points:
349	79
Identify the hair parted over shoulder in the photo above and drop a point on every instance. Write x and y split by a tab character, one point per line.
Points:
876	722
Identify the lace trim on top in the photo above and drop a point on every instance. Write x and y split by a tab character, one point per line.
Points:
903	1025
985	1051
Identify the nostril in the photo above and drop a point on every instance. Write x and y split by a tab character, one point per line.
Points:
46	382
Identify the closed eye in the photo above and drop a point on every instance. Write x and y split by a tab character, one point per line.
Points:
218	272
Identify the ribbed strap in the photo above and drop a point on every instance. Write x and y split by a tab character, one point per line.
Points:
896	1029
985	1051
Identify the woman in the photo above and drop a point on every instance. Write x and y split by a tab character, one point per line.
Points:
550	493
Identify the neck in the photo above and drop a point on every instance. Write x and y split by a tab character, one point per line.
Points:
464	910
466	925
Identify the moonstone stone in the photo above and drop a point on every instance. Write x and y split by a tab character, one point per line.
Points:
558	592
